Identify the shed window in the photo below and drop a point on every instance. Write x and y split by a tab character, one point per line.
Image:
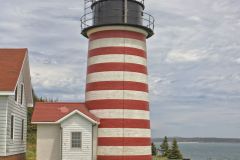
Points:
16	93
22	88
76	139
12	127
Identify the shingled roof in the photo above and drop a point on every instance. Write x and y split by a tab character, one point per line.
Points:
55	112
13	62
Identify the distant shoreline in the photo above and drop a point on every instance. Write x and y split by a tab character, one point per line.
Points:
200	140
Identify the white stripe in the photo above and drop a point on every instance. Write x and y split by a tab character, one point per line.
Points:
116	94
121	58
117	42
121	113
124	150
117	76
123	132
124	28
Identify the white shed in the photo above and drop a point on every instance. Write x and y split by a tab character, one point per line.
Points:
65	131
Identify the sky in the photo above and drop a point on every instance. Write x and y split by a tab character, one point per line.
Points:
193	59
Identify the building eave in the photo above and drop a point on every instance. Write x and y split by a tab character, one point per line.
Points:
7	93
44	122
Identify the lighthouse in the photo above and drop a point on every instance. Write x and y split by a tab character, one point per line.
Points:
116	83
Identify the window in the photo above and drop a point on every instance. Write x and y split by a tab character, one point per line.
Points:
16	94
22	88
76	139
12	127
22	130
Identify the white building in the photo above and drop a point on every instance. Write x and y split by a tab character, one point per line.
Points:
65	131
15	97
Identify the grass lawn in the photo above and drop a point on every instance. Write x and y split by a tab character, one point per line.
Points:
31	152
159	158
31	147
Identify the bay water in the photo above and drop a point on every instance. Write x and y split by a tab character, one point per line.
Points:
210	151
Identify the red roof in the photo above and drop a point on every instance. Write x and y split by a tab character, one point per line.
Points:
11	62
52	112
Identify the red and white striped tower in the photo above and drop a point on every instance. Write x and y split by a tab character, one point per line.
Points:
117	87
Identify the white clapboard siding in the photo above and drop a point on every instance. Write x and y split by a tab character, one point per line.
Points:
48	142
17	145
76	123
3	112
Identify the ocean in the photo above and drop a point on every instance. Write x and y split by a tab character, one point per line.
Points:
210	151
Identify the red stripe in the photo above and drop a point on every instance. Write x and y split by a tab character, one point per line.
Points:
117	50
124	123
141	157
117	85
117	104
117	34
117	67
124	141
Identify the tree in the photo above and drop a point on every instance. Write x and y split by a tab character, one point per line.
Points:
154	150
32	128
164	147
42	99
175	152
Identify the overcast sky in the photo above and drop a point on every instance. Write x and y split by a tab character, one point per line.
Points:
193	59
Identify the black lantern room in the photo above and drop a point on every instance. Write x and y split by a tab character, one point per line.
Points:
116	12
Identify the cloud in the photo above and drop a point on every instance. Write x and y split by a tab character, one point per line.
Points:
238	60
185	56
193	59
195	18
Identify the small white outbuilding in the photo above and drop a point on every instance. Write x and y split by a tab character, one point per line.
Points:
66	131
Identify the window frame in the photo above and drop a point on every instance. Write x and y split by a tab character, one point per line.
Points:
16	94
22	129
21	93
12	127
76	147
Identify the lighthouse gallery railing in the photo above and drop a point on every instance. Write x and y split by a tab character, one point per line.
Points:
87	20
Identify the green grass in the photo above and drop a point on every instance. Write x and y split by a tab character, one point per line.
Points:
159	158
31	137
31	146
31	152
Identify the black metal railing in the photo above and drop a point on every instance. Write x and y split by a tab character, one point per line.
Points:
140	1
147	20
